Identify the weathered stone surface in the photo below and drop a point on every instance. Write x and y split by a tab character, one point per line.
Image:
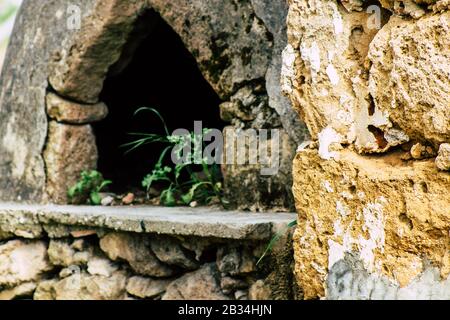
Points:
274	14
419	151
443	158
409	75
392	215
230	49
348	280
325	76
79	72
257	191
23	290
70	150
202	284
235	261
40	25
82	286
142	287
60	253
236	51
22	261
70	112
101	267
229	284
205	222
259	291
137	252
170	251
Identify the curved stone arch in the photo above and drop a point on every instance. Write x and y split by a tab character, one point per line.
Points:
236	44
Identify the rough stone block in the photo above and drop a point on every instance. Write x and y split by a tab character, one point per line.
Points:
70	150
137	252
202	284
409	75
22	262
391	214
443	158
70	112
325	75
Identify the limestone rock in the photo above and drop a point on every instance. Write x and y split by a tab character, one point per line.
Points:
419	151
70	150
22	261
389	213
101	267
325	75
170	251
142	287
5	235
79	73
202	284
229	284
348	280
61	253
443	158
259	192
135	249
230	49
70	112
409	76
40	25
22	290
82	286
235	261
259	291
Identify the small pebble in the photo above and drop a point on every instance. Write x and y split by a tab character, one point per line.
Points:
107	201
193	204
128	199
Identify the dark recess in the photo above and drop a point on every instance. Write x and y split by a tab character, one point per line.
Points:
155	70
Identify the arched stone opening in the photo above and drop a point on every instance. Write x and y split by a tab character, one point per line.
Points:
236	45
155	71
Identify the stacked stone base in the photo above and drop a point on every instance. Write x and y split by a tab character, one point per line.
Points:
67	256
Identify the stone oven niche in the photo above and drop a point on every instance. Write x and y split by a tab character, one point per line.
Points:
204	60
157	71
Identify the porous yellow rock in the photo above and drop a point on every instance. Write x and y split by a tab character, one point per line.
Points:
409	77
325	74
393	215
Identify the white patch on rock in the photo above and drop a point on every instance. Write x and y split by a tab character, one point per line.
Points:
332	74
327	185
302	147
327	137
288	68
337	22
374	225
311	55
396	137
336	252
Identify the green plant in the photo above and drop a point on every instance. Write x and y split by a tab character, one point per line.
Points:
88	188
275	239
183	184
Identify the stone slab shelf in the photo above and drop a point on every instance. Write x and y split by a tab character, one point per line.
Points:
32	220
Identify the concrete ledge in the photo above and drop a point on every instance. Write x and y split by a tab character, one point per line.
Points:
31	220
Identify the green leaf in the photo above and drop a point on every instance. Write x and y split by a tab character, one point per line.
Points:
168	197
188	197
95	198
275	239
157	113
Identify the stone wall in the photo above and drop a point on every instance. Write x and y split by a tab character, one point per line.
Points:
53	253
372	188
238	53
